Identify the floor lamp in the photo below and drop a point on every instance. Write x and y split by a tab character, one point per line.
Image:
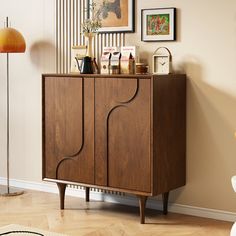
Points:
11	41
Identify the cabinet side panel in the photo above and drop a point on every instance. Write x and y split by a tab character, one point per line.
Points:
169	132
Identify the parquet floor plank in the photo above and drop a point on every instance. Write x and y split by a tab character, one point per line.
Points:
41	210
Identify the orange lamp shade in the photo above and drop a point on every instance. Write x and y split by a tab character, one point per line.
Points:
11	41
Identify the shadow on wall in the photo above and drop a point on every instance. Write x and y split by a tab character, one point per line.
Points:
42	54
211	147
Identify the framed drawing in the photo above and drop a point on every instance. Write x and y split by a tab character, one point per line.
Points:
158	24
117	15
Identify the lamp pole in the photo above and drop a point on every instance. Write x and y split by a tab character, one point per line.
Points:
8	128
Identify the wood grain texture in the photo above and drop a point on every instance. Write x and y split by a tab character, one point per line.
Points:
169	132
130	132
120	76
142	206
123	133
68	129
62	190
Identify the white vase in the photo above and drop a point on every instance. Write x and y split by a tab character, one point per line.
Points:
89	41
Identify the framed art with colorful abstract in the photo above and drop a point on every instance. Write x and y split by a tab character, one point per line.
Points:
158	24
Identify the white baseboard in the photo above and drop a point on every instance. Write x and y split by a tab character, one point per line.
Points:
125	200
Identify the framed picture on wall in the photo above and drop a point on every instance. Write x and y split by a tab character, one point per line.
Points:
117	15
158	24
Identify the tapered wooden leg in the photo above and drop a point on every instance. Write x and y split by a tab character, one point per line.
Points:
87	194
62	190
165	197
142	205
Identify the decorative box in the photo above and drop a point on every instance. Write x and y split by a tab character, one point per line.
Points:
127	64
128	58
105	63
134	50
106	59
115	59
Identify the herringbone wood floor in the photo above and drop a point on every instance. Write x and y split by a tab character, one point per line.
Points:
41	210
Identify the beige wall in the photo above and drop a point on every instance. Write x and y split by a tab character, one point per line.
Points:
205	50
35	20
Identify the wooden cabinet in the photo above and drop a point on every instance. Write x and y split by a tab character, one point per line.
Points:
122	133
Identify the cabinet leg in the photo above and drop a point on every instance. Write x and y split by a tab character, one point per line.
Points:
87	194
142	205
165	197
62	190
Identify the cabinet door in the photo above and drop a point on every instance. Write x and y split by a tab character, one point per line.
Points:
68	129
122	134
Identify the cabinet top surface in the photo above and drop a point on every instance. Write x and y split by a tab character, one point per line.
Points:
141	76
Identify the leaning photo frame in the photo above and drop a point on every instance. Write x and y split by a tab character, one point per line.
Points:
158	24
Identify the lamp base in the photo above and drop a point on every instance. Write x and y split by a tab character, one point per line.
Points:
9	192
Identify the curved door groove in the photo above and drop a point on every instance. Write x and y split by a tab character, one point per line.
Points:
120	159
69	129
131	97
76	154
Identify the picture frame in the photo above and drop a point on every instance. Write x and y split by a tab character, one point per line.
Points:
158	24
119	18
